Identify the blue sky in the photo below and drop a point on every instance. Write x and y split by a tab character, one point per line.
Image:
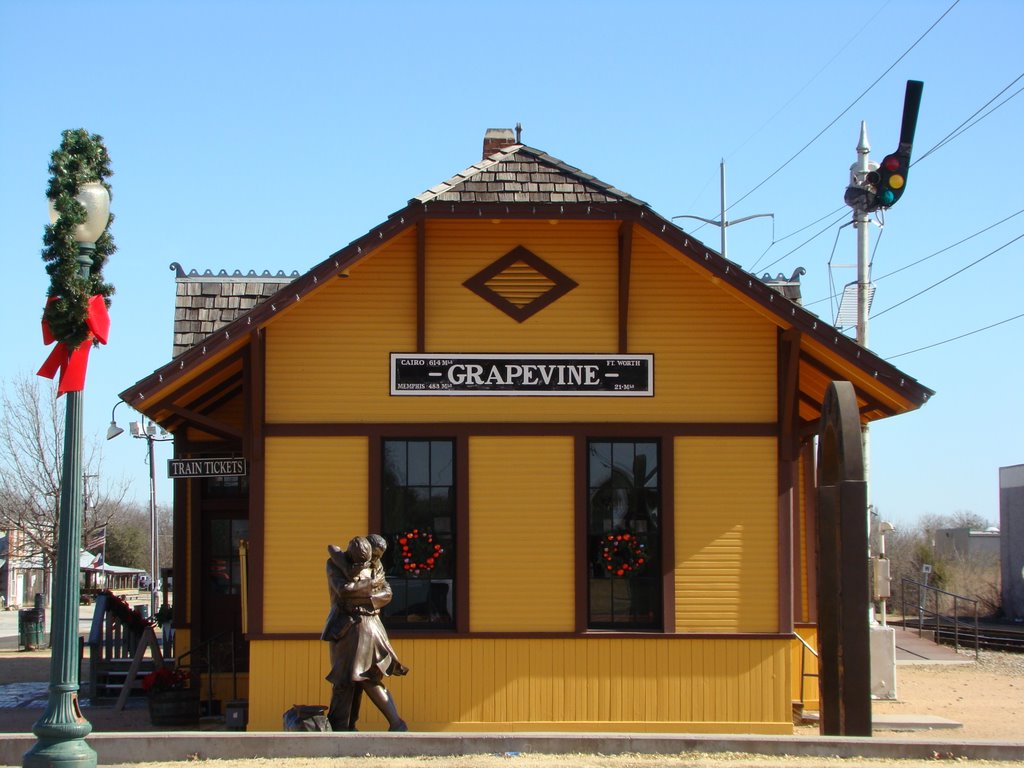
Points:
259	135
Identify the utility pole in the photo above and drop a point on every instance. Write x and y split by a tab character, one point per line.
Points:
722	222
874	187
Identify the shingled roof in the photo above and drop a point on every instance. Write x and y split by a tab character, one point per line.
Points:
205	303
521	174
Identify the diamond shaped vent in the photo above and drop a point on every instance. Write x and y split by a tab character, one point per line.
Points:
520	284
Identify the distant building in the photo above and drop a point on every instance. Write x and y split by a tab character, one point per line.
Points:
967	544
1011	522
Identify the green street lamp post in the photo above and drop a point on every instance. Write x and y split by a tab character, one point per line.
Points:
62	728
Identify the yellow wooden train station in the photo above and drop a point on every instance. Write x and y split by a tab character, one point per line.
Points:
586	436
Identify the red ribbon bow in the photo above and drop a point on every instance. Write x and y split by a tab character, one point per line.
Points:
72	363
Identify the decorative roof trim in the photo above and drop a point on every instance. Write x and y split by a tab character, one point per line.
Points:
222	276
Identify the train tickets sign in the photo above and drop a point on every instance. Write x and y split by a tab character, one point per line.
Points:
523	375
180	469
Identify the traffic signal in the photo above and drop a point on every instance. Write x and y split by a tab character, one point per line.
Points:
890	178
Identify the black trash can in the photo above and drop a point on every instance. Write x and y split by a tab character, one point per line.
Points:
30	628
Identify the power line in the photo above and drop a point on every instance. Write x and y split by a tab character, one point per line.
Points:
948	277
963	127
805	242
956	338
814	77
848	108
948	247
794	232
925	258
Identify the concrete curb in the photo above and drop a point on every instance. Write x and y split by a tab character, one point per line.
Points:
131	747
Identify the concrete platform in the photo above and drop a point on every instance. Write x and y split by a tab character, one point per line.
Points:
914	649
125	747
901	722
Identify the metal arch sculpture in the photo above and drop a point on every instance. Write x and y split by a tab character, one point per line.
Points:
844	673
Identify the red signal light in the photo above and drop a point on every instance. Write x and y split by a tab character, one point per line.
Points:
891	163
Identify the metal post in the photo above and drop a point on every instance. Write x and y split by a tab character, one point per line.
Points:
154	547
862	223
725	223
62	728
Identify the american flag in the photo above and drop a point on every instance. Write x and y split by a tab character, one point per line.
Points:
97	538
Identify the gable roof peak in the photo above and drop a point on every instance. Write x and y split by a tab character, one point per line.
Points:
520	174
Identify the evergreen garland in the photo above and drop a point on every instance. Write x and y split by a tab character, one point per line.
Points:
82	158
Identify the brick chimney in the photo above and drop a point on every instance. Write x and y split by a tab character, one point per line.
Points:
497	139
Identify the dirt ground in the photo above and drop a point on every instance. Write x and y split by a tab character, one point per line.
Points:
987	697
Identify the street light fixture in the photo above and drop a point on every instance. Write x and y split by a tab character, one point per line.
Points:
62	728
147	432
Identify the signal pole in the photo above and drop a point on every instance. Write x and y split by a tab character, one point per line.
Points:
876	187
862	223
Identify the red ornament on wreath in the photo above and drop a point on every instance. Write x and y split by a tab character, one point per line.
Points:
418	551
622	554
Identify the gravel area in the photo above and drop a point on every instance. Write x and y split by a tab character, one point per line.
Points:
987	696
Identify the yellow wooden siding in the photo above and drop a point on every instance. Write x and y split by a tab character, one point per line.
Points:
328	358
726	530
804	609
315	496
545	684
584	320
715	358
805	668
520	486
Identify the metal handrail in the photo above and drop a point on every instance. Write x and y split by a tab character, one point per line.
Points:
804	674
923	590
207	646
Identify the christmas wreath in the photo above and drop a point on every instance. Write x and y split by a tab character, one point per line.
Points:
622	554
418	551
82	158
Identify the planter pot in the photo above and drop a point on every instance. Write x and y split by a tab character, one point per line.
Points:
178	707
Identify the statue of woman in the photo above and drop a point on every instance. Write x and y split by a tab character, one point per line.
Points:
361	654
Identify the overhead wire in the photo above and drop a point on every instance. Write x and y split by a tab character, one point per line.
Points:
814	77
956	338
967	124
948	247
923	259
849	107
948	277
791	234
805	242
831	280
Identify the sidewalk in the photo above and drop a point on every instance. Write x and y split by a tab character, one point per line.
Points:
123	736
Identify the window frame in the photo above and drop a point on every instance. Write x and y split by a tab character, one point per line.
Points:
665	442
460	525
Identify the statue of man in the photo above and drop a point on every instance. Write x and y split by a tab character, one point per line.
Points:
361	654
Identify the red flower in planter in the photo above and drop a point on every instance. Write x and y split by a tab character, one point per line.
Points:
165	679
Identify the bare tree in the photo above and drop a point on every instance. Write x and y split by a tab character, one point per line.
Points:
31	468
974	575
130	535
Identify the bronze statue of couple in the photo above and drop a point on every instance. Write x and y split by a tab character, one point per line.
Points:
361	654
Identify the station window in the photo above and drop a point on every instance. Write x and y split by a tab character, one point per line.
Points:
418	521
624	535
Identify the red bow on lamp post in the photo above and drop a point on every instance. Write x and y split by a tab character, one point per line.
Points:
72	363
